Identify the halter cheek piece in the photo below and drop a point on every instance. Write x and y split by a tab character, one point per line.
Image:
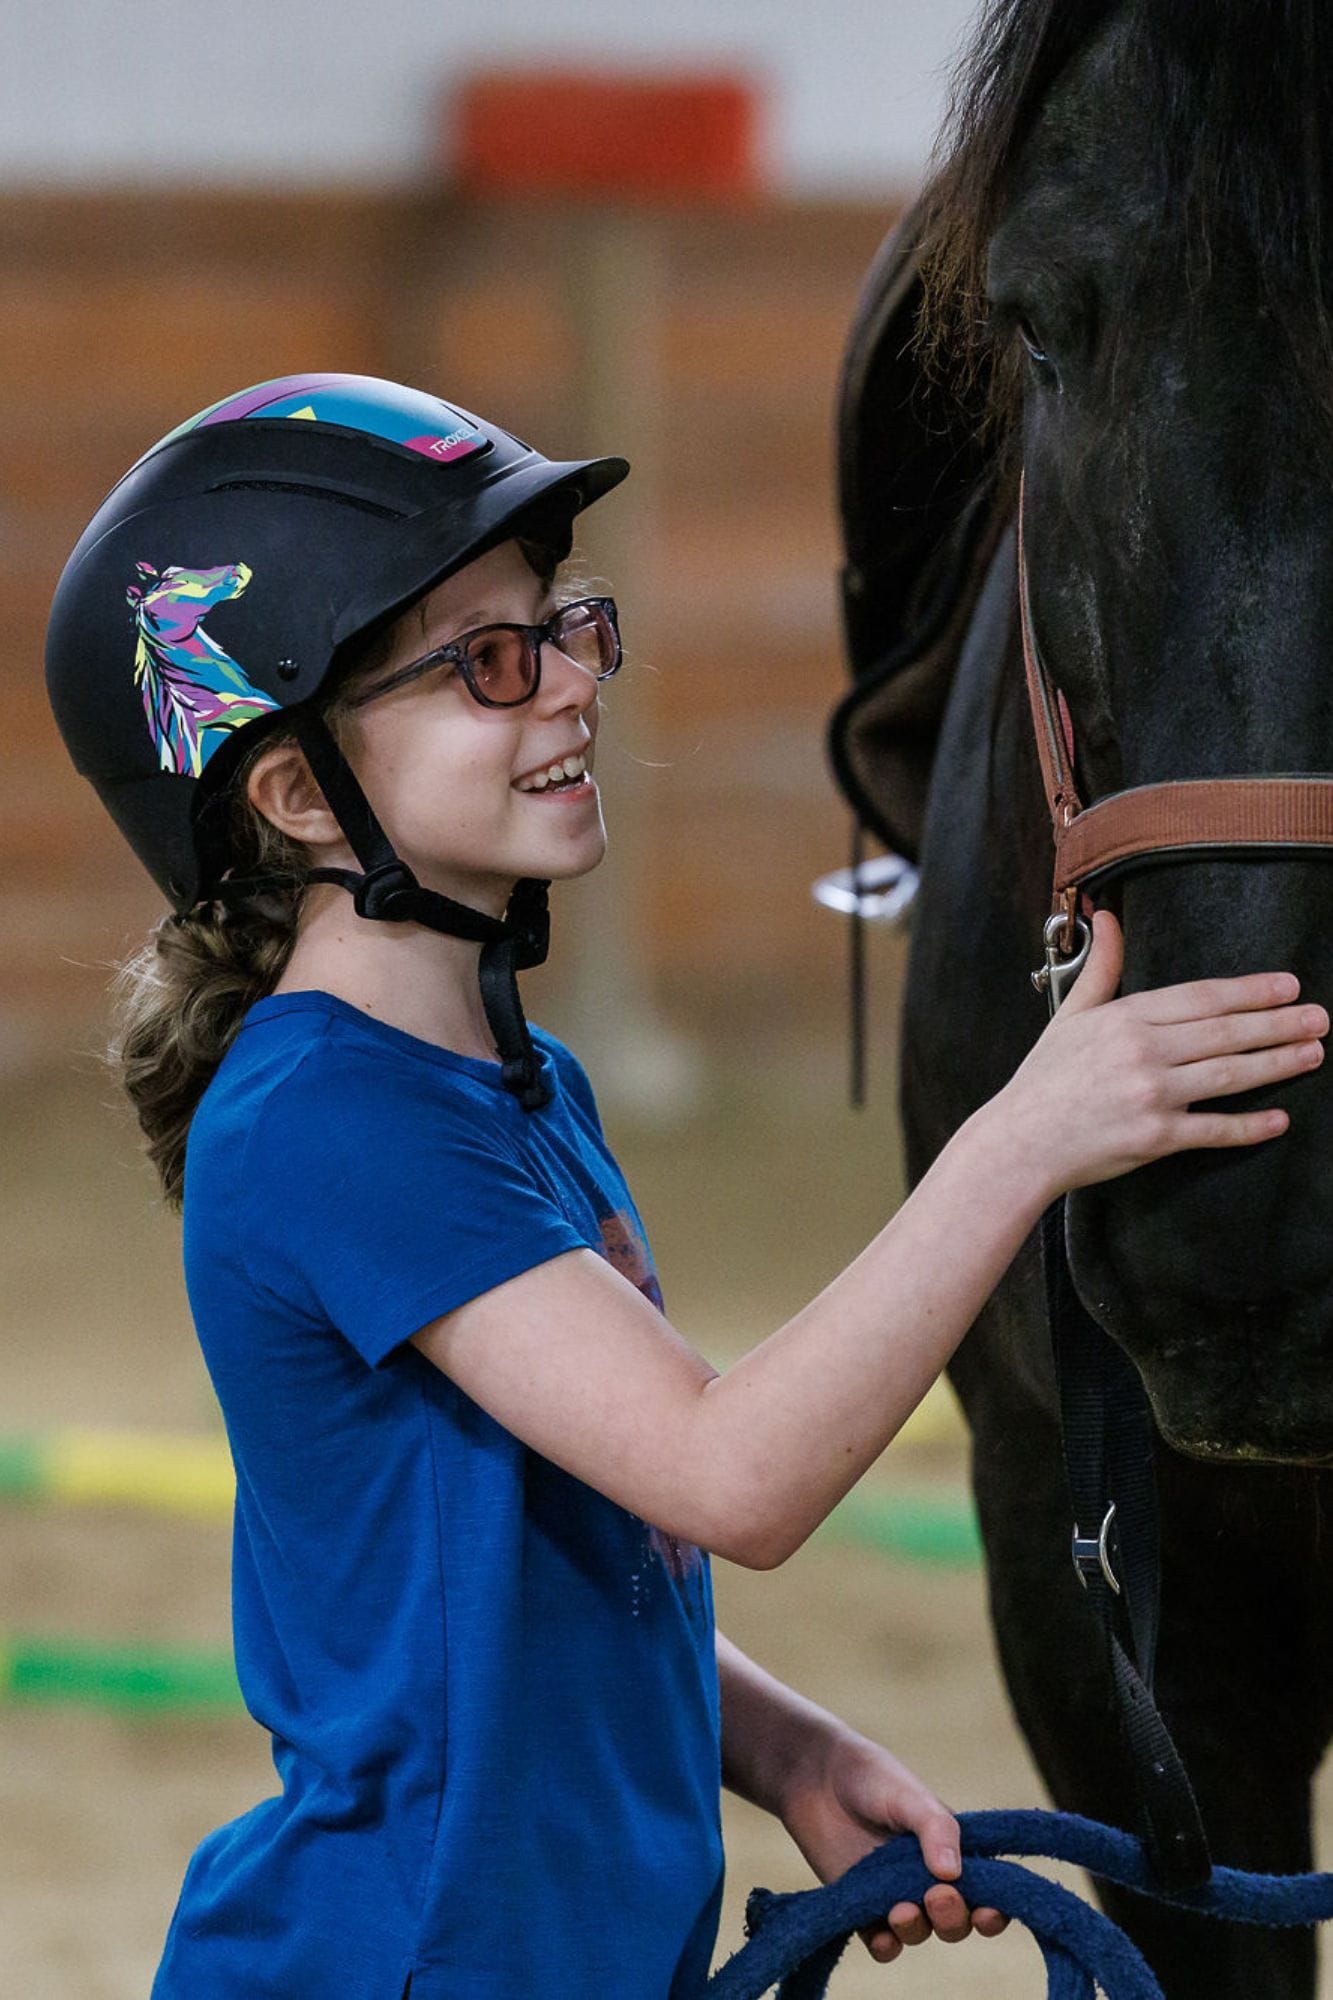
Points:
1192	818
388	891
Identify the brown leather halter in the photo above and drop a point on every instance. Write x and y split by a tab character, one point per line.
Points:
1192	816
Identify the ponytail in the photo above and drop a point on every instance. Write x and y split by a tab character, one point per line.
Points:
179	1000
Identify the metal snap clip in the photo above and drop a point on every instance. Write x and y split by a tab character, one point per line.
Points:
1058	974
1092	1553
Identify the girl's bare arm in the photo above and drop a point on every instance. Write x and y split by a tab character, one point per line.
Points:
576	1362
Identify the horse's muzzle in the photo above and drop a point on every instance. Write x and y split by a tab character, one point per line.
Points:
1235	1346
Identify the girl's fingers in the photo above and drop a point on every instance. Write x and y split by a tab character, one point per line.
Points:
1198	998
1097	982
945	1913
1224	1128
948	1913
1226	1076
909	1923
1230	1034
907	1926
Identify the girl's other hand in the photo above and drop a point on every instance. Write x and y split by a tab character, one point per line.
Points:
854	1796
1110	1084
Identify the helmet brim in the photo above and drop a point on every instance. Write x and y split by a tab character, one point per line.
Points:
520	495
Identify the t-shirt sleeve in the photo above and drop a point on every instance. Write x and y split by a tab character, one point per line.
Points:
379	1207
573	1077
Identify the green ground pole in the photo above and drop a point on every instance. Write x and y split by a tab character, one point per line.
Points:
120	1677
936	1529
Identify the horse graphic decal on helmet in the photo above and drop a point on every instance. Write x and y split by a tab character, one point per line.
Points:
194	693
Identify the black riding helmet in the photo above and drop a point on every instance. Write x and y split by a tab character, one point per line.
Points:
225	579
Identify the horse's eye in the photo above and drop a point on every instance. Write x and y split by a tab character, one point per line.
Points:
1037	354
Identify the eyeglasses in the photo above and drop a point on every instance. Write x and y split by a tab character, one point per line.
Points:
501	665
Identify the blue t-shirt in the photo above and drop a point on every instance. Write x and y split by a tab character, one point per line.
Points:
492	1692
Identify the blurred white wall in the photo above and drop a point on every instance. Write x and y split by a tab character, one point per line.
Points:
291	91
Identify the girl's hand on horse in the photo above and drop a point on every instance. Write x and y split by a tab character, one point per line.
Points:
850	1796
1110	1084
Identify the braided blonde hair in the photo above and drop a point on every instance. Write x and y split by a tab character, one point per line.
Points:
179	1000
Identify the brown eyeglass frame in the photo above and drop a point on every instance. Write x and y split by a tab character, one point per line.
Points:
534	638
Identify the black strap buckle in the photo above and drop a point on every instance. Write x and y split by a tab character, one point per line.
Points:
522	1078
1092	1553
385	892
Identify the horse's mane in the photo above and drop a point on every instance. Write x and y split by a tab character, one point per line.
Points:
1242	107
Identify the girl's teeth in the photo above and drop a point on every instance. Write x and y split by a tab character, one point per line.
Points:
555	774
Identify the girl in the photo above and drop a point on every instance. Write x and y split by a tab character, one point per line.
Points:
312	653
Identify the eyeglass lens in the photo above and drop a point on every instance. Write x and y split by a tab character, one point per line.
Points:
502	661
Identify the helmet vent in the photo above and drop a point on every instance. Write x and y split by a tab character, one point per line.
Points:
309	492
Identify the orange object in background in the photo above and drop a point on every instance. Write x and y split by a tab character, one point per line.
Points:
654	136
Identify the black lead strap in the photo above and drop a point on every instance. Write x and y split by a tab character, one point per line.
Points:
1108	1438
387	890
856	972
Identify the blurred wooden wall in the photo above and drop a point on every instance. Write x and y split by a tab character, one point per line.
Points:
704	346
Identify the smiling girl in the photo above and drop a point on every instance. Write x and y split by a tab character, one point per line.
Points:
314	654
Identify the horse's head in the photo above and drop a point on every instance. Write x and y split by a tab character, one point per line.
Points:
1157	259
172	603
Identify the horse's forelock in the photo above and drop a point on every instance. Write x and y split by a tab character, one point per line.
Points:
1241	104
1020	49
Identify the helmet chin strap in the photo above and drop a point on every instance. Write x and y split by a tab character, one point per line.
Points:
387	890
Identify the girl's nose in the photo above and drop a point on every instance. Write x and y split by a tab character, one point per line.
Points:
564	683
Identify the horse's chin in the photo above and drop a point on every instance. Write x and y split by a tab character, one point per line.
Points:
1208	1437
1216	1396
1232	1379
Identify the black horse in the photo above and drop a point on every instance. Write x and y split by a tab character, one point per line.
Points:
1122	284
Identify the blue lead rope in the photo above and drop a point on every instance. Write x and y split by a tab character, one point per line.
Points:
795	1941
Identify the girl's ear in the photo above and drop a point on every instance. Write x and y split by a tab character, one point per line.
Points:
281	787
